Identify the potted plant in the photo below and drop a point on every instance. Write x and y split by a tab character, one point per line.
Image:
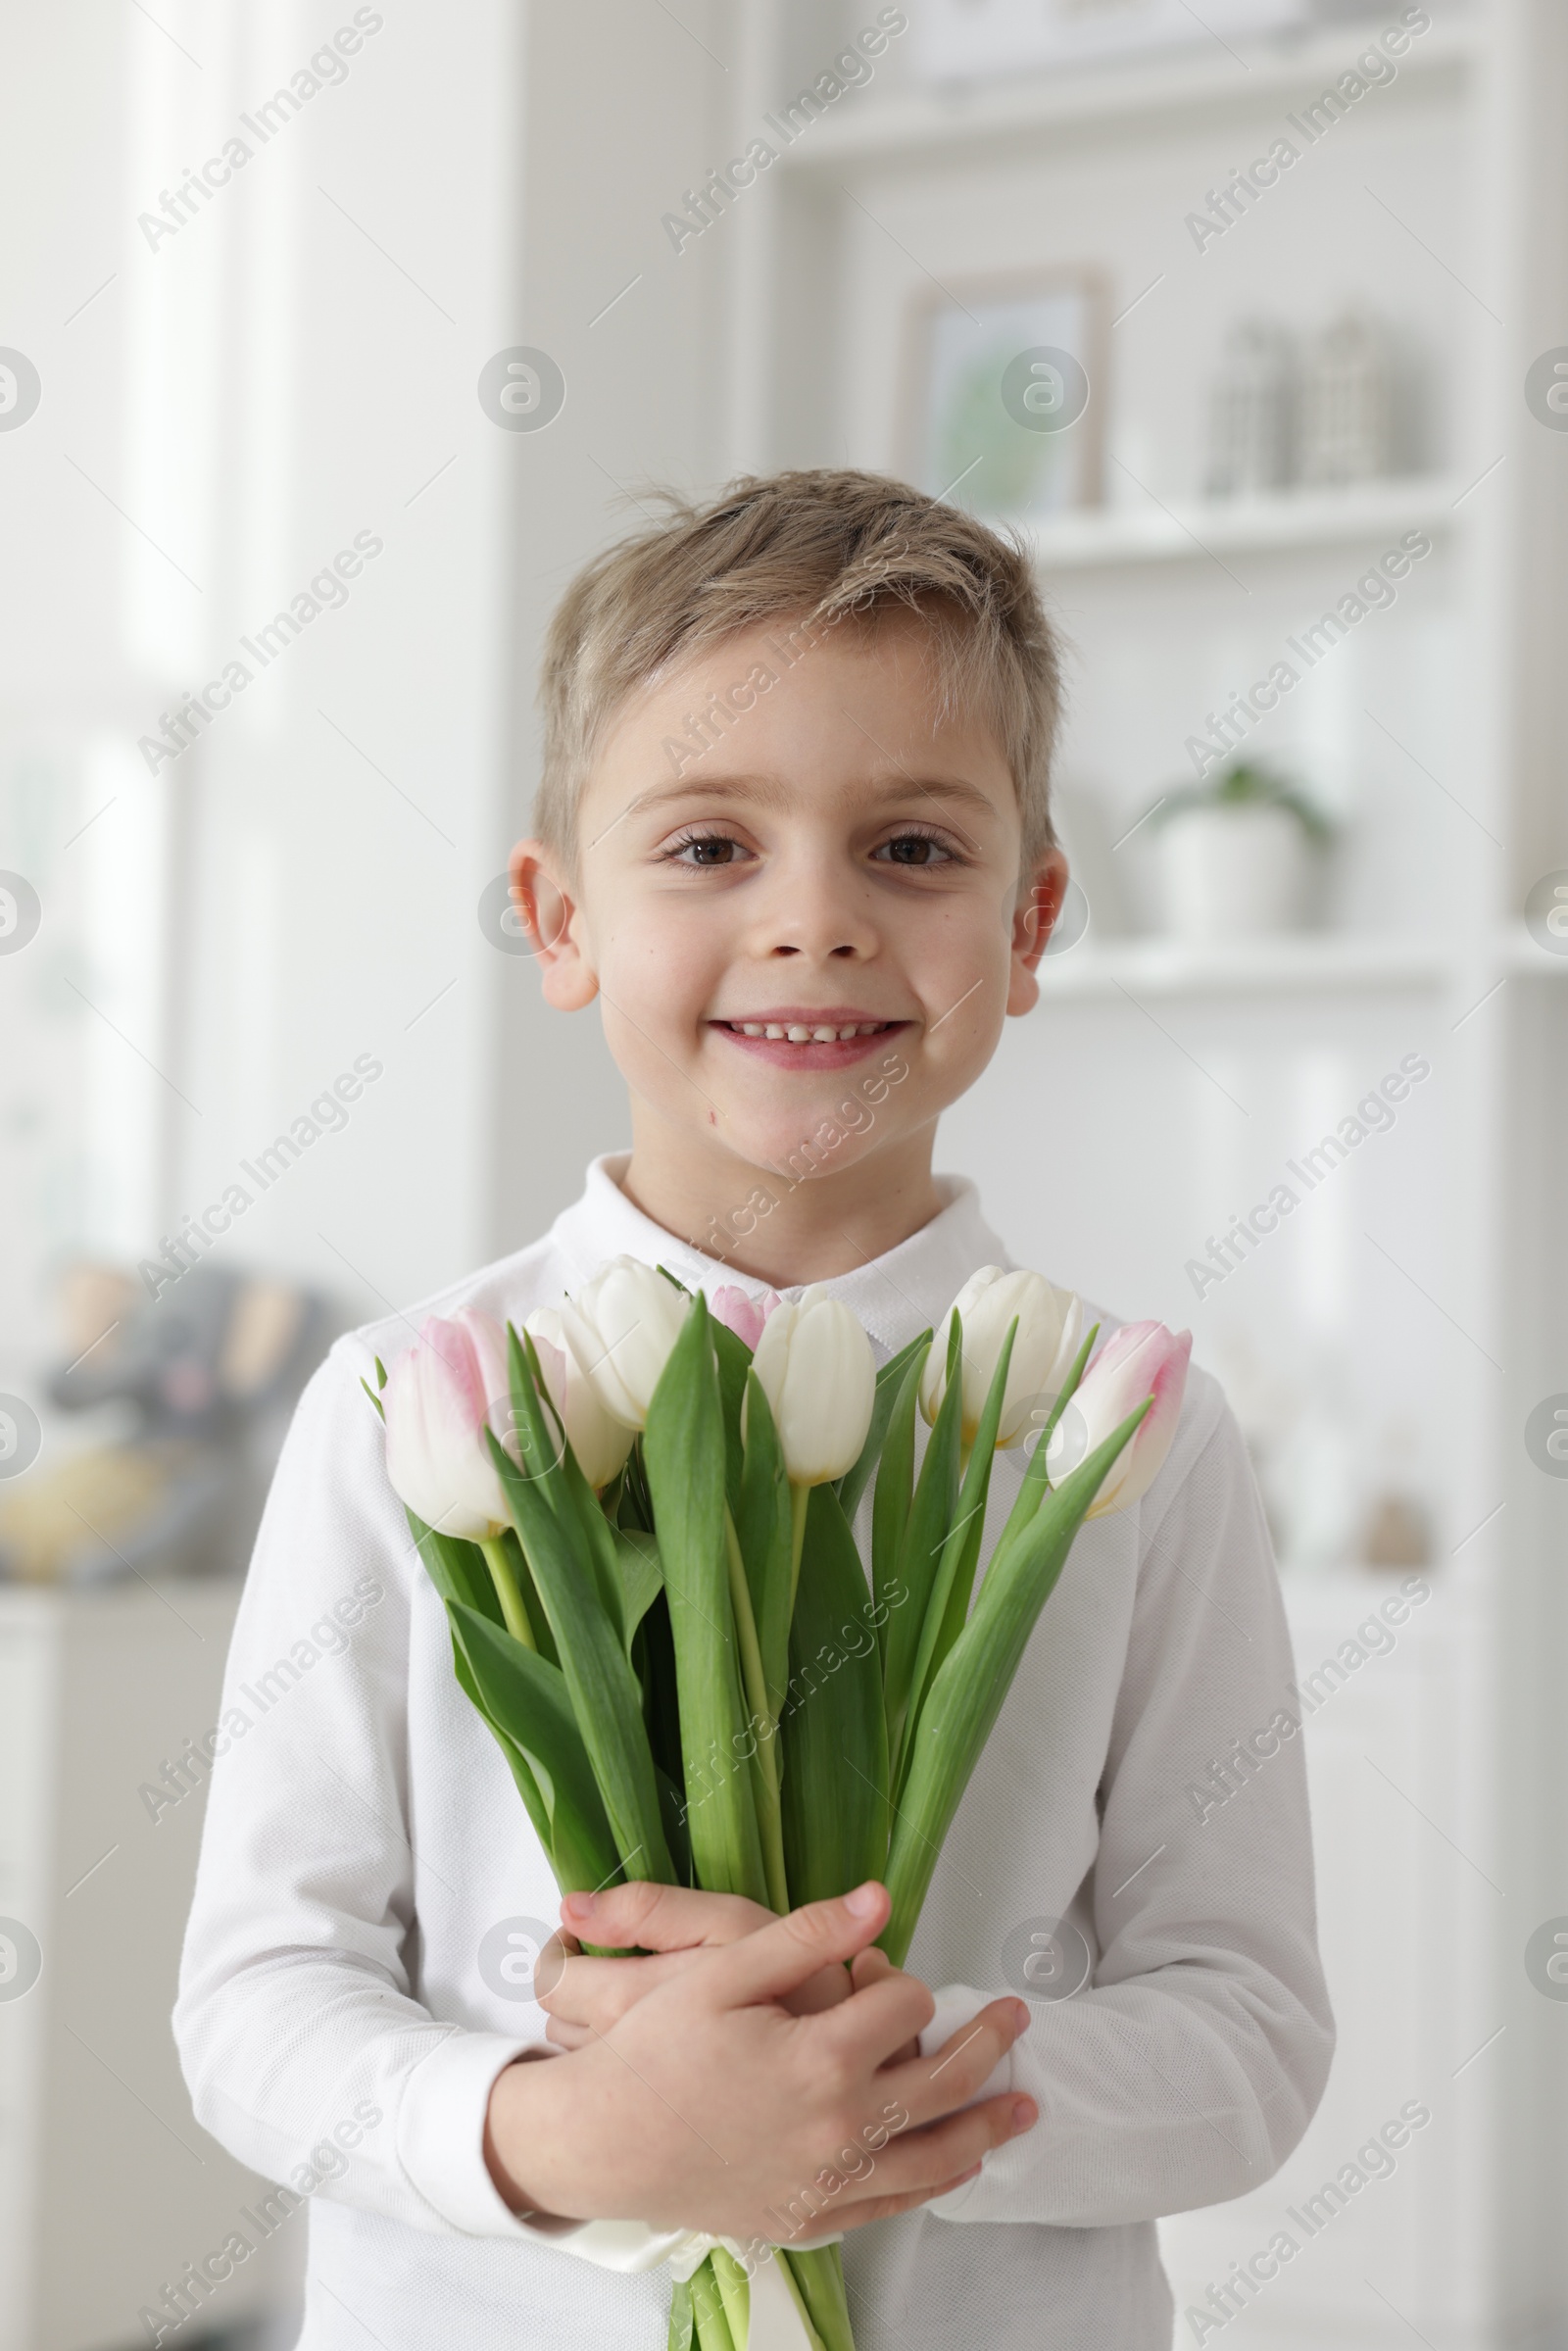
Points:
1237	853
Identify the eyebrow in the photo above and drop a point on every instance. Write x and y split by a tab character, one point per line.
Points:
770	792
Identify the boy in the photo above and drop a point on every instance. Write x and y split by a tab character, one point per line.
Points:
795	837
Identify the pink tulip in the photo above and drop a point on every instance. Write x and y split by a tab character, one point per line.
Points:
439	1397
740	1313
1141	1358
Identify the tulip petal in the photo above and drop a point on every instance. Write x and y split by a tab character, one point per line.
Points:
816	1369
624	1324
740	1313
1141	1358
437	1402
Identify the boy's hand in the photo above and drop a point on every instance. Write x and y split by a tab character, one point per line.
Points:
709	2105
584	1996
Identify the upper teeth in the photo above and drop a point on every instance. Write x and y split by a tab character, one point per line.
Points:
798	1034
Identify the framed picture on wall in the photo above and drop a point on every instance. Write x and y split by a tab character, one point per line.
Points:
968	40
1002	391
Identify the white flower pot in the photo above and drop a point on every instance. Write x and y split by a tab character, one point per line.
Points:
1234	872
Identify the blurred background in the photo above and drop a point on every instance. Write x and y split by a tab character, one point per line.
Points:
333	340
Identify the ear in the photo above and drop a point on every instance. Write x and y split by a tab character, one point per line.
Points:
544	894
1034	917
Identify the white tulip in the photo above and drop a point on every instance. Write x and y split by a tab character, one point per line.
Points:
817	1371
622	1326
600	1441
1050	1327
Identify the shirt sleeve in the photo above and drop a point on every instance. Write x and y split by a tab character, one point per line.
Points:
1188	2069
305	2050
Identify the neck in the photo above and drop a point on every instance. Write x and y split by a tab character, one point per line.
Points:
777	1226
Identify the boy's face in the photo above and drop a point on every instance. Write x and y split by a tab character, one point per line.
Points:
836	862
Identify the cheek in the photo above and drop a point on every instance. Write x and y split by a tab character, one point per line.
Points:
960	966
659	959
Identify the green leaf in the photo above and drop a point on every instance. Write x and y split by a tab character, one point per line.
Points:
734	1359
660	1700
642	1578
604	1694
931	1514
835	1790
517	1762
895	1485
553	1466
1036	1478
889	1389
455	1567
949	1604
762	1527
459	1571
528	1700
684	1451
672	1812
531	1602
968	1692
635	1508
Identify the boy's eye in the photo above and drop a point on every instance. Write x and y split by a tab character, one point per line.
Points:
704	849
914	849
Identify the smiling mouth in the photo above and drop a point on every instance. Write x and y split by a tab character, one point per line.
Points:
800	1032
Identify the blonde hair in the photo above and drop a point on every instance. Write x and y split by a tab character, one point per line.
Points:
816	547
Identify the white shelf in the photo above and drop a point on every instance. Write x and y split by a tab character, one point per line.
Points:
1301	960
1198	531
1306	960
961	114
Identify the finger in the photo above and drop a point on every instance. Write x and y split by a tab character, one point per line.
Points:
659	1918
947	2078
549	1967
777	1959
919	2162
569	2036
600	1991
825	1990
870	1967
870	2026
883	2208
873	1967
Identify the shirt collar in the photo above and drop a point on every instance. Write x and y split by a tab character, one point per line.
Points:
893	1297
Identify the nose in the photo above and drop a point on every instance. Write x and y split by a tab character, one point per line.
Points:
820	908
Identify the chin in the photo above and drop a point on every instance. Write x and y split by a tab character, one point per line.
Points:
814	1144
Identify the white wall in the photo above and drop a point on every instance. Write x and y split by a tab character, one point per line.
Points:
295	365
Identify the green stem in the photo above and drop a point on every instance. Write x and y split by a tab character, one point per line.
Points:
507	1592
787	2262
820	2274
712	2328
769	1815
800	1503
734	2293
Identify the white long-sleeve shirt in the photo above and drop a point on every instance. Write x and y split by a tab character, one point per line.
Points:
366	1855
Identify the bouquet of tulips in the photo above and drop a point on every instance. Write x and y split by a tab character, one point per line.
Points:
638	1510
